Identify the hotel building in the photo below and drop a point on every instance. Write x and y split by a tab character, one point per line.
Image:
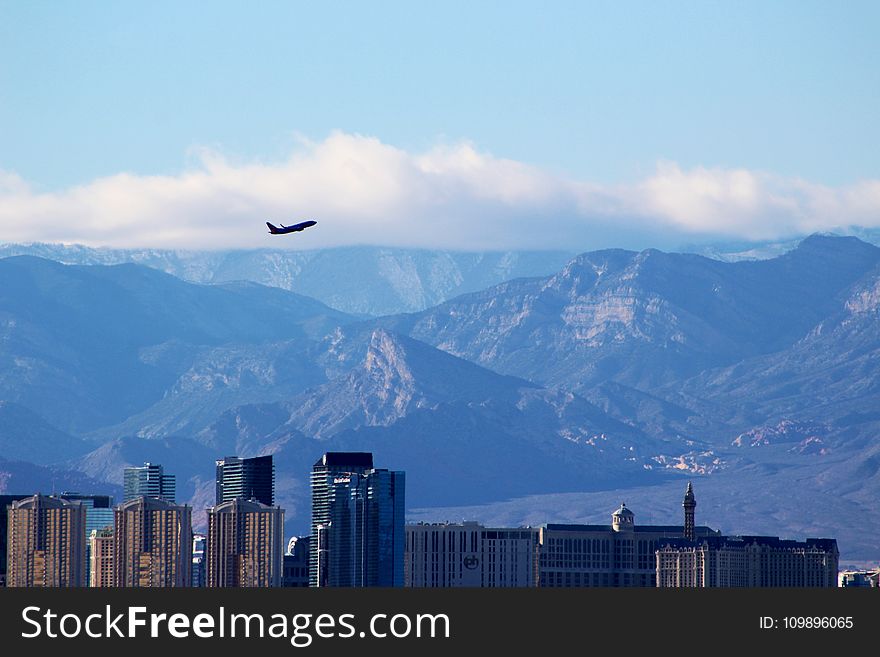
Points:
46	543
470	555
152	543
251	478
747	561
244	545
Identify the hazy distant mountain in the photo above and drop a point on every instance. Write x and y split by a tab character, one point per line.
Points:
734	251
22	477
360	280
89	346
25	436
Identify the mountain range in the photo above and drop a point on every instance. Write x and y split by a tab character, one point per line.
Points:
617	376
361	280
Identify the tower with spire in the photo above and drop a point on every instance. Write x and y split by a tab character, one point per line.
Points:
690	506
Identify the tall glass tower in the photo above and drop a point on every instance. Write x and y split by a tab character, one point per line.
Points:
149	480
252	478
331	467
358	534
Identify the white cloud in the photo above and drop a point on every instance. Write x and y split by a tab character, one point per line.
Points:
363	191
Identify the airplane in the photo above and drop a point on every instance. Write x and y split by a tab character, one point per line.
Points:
275	230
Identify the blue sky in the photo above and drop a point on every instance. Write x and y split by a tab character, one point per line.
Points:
688	108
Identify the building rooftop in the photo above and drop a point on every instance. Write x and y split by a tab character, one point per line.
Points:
357	459
154	503
659	529
716	542
242	505
44	501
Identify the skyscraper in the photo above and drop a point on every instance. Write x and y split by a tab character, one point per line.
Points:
357	522
152	543
46	543
5	501
329	467
382	500
245	544
149	480
251	478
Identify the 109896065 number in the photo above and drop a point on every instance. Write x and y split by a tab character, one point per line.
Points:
817	622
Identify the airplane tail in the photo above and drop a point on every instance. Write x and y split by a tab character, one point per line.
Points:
272	229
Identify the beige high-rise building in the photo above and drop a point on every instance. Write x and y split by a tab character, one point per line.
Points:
46	543
245	545
470	555
101	557
152	543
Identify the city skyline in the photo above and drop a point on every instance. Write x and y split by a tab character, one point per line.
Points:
363	540
157	483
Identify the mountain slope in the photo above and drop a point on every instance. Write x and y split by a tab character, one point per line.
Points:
25	436
103	343
460	431
643	319
216	379
25	478
830	375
